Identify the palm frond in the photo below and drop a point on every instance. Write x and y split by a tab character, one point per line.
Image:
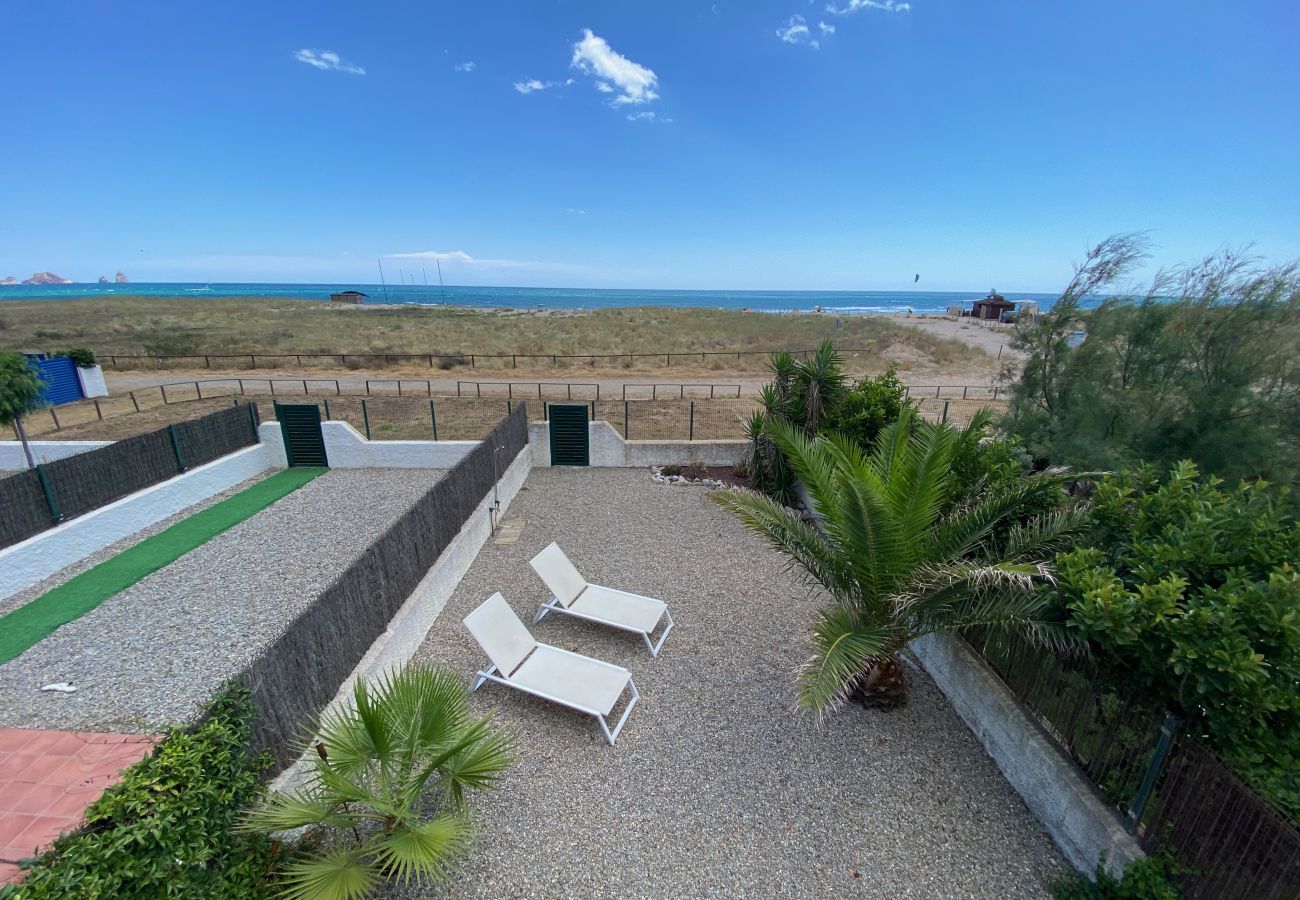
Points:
844	644
282	812
423	851
336	875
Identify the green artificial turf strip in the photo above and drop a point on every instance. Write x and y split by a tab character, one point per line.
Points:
71	600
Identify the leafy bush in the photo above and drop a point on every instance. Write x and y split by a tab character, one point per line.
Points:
1192	589
1150	878
388	789
81	357
165	830
868	406
1204	365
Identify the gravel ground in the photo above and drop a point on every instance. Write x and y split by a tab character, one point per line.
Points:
13	602
718	787
154	653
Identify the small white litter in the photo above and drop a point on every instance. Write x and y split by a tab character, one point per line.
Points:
62	687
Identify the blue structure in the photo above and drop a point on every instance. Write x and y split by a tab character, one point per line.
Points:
60	376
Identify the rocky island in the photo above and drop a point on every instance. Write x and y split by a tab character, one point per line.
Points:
47	278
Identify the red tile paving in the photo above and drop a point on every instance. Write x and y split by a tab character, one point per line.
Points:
48	778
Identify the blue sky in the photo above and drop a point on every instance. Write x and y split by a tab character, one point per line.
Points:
736	144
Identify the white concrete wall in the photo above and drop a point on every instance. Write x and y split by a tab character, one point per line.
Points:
272	439
11	452
609	450
92	381
410	625
348	449
1053	788
41	555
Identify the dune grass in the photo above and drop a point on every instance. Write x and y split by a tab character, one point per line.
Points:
71	600
181	326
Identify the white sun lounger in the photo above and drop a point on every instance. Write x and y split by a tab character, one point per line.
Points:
573	596
569	679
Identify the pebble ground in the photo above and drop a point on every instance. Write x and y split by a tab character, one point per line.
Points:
718	787
154	653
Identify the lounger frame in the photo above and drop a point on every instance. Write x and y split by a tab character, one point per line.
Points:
489	674
554	605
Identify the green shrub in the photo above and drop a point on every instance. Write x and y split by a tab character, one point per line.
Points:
1191	589
80	356
867	407
166	829
1150	878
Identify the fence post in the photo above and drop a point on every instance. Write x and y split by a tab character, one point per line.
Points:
99	412
625	420
252	421
365	417
945	411
433	417
691	433
55	417
55	515
1168	731
135	402
327	409
176	445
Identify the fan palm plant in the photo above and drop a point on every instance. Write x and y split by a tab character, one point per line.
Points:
819	383
389	780
899	558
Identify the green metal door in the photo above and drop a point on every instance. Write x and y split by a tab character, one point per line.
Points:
303	441
569	438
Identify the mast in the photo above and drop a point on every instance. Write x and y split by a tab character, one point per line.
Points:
441	287
381	279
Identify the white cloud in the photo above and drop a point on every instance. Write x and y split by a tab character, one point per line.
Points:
635	83
796	31
461	258
532	84
826	29
466	66
575	211
854	5
648	116
327	59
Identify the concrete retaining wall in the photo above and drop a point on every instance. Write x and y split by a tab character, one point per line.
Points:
1050	784
11	452
411	624
609	450
347	448
41	555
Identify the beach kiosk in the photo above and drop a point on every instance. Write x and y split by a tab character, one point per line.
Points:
992	307
348	297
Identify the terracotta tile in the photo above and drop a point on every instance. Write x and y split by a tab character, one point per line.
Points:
10	874
73	803
41	768
13	740
42	832
37	800
14	764
53	743
13	825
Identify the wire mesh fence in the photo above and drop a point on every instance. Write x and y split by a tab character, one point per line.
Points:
1176	795
40	498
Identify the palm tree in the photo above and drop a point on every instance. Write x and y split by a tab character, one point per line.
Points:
20	393
404	744
819	382
899	558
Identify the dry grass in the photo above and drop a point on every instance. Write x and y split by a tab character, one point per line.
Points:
187	327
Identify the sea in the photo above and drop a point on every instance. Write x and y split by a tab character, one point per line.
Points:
834	302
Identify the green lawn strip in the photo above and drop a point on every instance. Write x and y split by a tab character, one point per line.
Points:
71	600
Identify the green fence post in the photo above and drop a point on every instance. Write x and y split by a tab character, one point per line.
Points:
365	417
176	445
1168	731
55	515
691	433
625	420
327	408
945	410
433	417
252	421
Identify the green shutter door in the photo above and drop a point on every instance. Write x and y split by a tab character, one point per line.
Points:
304	443
569	445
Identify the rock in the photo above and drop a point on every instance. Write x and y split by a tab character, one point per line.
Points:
47	278
9	280
103	279
120	277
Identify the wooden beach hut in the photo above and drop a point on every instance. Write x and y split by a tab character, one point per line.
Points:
348	297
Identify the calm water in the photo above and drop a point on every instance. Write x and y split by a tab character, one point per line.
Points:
555	298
